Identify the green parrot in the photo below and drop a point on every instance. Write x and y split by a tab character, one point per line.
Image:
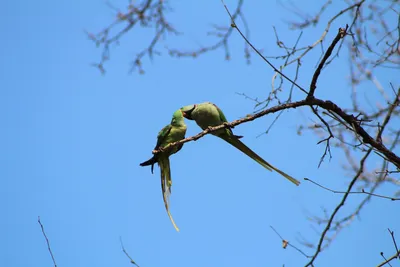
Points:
208	115
173	132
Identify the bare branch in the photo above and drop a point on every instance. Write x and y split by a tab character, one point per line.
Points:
233	25
47	241
341	34
286	243
327	147
327	105
394	241
387	261
353	129
146	14
308	48
126	253
395	103
353	192
223	33
328	225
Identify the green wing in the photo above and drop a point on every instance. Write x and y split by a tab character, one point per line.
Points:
221	114
162	135
223	119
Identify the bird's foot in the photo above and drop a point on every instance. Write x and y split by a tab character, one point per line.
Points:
160	149
227	125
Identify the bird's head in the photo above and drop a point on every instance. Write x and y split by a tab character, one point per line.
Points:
177	118
187	111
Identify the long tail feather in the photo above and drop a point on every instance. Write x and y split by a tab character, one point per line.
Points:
151	162
166	184
242	147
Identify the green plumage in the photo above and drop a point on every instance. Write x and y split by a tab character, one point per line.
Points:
173	132
208	114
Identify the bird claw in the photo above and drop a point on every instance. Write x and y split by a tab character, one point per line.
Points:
160	149
209	128
227	125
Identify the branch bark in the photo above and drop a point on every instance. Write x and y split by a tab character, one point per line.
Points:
341	33
350	119
389	260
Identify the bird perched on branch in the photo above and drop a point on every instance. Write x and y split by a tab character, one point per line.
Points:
208	115
173	132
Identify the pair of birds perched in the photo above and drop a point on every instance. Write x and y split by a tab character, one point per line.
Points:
206	115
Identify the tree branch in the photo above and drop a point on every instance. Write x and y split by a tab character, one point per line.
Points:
346	192
286	243
327	105
395	103
223	34
233	25
352	121
388	260
47	241
394	240
341	34
327	139
126	253
338	207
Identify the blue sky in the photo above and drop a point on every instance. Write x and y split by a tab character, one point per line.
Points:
72	141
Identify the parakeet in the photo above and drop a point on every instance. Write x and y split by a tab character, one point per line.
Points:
173	132
208	115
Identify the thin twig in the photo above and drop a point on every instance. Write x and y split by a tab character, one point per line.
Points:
350	119
341	33
394	241
338	207
346	192
126	253
392	107
286	243
388	260
233	25
47	241
387	172
338	225
327	28
222	33
327	147
271	125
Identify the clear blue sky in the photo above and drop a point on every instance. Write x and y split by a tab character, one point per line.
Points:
72	141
